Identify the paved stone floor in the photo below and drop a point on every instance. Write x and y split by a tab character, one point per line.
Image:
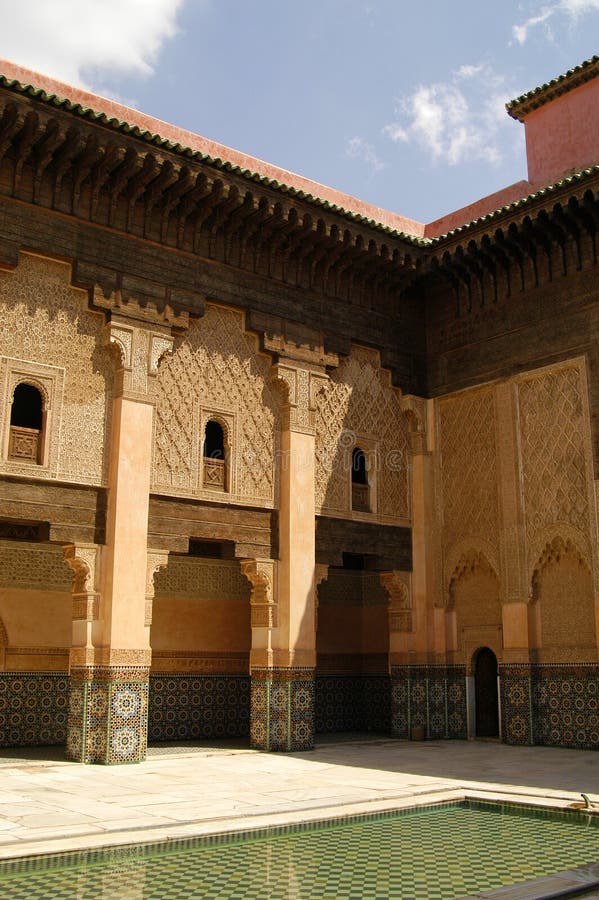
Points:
49	805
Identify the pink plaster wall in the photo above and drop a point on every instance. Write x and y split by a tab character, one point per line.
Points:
36	618
181	624
563	136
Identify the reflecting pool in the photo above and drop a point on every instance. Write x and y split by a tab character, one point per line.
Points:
443	851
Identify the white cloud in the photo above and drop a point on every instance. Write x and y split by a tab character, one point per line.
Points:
74	39
571	9
454	121
358	148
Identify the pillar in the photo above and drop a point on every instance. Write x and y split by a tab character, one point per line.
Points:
283	654
515	677
110	655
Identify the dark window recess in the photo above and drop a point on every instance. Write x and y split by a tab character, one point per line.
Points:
26	418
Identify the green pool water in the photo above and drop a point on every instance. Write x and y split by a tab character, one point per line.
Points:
443	851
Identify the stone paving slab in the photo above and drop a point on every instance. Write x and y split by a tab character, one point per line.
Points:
54	806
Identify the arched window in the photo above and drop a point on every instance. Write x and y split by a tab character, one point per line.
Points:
26	424
359	481
215	463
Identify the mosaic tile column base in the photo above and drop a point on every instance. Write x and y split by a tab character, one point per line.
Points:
108	715
432	698
515	688
282	709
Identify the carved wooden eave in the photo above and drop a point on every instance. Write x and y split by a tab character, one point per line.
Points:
532	243
53	156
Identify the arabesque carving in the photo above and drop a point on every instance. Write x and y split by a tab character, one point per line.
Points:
156	561
33	567
51	334
468	467
190	577
398	587
359	400
83	559
217	361
555	451
551	555
261	574
468	563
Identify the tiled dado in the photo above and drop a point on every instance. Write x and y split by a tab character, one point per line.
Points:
282	709
553	705
432	698
108	714
184	707
352	703
515	684
33	708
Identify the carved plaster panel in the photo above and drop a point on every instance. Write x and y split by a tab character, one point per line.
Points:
468	468
216	366
33	567
206	579
556	457
49	333
359	403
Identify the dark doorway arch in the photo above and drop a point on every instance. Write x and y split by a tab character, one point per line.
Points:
486	694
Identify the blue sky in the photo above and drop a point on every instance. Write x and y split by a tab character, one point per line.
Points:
397	103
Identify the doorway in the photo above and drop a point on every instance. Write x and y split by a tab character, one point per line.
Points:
486	694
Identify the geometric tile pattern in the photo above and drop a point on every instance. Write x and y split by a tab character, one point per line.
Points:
565	705
353	703
406	854
108	715
282	709
33	708
186	707
429	697
515	695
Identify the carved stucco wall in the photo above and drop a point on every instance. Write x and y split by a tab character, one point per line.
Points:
556	458
201	605
44	323
216	369
359	405
564	594
468	472
535	489
35	596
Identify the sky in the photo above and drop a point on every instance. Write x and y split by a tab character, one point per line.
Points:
401	104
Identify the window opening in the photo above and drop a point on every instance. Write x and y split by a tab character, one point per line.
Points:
215	473
26	424
359	481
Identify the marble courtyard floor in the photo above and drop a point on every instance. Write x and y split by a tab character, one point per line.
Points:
48	805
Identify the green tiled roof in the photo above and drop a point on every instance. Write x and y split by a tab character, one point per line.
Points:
574	179
523	105
217	163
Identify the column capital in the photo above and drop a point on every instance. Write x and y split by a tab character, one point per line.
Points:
157	559
300	384
139	351
399	588
261	574
84	560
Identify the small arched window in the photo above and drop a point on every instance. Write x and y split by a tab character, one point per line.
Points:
359	481
26	424
214	453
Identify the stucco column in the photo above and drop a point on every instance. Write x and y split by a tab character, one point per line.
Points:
110	657
283	655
